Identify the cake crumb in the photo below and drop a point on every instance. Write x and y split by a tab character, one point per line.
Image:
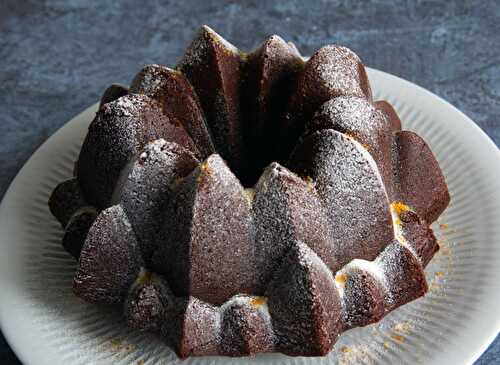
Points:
387	344
444	226
444	249
439	274
397	337
116	344
434	287
119	346
354	355
403	327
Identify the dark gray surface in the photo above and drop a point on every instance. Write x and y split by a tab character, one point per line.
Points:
56	57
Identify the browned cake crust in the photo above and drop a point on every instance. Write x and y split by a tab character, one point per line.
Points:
65	200
427	192
182	210
390	113
213	66
178	101
288	210
111	252
209	206
118	132
75	232
348	183
145	188
113	92
331	71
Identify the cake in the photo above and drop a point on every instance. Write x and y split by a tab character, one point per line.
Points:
250	202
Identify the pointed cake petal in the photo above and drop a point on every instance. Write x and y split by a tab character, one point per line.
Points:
193	330
148	302
113	92
304	305
178	101
404	276
359	119
414	231
110	259
426	193
145	188
65	200
331	71
119	131
349	184
361	286
390	113
207	249
246	327
288	210
212	66
77	229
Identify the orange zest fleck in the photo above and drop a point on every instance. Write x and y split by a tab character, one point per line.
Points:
310	183
398	338
400	207
258	301
204	171
341	278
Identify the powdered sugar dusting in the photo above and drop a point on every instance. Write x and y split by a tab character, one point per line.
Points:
246	301
220	40
370	267
198	49
308	258
354	113
350	186
373	165
337	68
196	52
149	81
128	105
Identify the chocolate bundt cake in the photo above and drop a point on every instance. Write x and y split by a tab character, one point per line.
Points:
245	203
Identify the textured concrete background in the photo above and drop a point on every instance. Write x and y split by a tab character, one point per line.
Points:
56	57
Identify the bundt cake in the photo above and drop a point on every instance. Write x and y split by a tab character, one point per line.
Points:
250	202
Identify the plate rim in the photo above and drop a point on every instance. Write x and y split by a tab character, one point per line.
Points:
15	339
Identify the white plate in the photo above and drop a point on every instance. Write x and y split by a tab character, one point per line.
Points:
46	324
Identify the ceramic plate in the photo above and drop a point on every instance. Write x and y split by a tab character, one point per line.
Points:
46	324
